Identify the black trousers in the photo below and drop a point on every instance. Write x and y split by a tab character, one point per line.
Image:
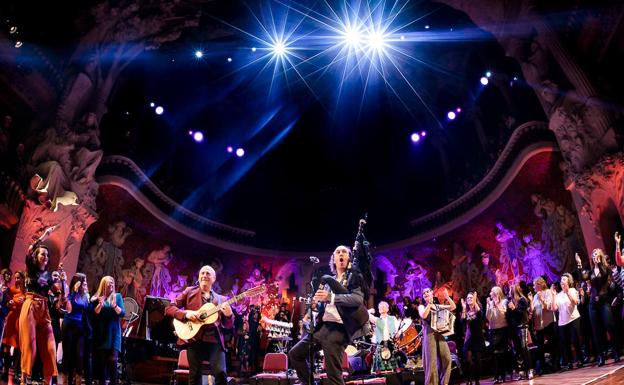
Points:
570	336
332	339
107	361
199	351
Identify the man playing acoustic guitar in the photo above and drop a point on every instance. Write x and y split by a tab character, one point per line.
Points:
208	342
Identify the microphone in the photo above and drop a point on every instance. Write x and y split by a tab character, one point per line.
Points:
314	259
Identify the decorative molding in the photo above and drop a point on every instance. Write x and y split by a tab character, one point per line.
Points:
527	140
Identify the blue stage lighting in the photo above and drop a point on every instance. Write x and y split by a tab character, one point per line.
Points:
415	137
279	49
488	74
199	54
159	110
451	115
240	152
229	149
484	81
198	136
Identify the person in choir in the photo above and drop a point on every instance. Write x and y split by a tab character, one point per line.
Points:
472	317
435	350
495	313
108	310
566	303
73	329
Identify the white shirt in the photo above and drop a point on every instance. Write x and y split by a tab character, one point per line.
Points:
542	316
331	312
567	311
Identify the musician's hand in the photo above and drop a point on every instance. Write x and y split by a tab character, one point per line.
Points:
227	310
192	316
322	296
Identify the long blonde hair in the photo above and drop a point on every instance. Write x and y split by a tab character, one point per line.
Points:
103	287
499	293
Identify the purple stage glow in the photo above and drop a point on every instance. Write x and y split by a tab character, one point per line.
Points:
198	137
451	115
415	137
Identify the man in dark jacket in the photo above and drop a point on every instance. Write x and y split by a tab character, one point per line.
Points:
208	342
342	318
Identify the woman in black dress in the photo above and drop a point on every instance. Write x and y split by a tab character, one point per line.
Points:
472	317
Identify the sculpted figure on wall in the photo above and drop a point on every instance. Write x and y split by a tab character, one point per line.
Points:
160	284
560	233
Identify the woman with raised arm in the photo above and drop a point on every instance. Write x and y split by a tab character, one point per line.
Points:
434	344
35	324
544	325
496	315
108	311
472	317
600	307
569	321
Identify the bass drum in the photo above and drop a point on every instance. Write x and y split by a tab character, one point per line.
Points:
406	340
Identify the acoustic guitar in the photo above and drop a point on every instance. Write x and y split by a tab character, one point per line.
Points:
209	313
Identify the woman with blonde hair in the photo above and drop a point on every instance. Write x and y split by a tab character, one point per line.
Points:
495	313
108	309
569	320
544	324
600	313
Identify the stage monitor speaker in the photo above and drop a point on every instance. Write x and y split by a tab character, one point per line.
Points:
155	326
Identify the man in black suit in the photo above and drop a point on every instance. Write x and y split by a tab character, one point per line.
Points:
341	319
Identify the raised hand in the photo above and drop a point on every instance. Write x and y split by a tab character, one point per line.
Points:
617	237
577	257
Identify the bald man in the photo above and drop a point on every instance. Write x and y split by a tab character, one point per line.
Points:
208	342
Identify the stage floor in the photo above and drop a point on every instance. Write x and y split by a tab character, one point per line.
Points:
610	374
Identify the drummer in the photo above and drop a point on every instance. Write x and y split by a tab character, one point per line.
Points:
385	330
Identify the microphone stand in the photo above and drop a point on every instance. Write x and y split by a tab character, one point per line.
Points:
310	311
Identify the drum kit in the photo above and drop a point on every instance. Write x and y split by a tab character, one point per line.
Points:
392	354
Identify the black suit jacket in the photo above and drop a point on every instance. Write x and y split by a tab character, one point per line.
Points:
350	307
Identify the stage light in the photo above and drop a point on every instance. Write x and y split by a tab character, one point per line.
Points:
376	40
152	104
253	49
423	134
159	110
352	37
198	137
488	74
18	44
13	30
229	149
240	152
415	137
190	132
515	78
484	81
451	115
458	110
402	37
229	60
199	54
279	49
427	26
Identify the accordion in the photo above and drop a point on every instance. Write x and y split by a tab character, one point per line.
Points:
443	321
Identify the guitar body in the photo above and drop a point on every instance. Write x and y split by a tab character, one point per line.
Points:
209	313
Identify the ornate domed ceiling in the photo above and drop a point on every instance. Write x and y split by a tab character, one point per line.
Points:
325	119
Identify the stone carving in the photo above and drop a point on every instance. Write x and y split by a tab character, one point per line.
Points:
560	233
509	246
160	284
